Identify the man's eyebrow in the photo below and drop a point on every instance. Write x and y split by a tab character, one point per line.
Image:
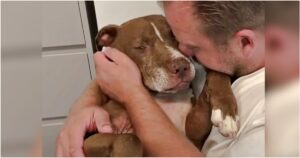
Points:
187	44
192	46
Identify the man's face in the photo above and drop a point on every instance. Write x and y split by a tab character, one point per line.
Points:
282	54
194	43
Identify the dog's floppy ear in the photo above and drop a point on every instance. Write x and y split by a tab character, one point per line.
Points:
106	36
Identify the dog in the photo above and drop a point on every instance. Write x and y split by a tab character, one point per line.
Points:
194	99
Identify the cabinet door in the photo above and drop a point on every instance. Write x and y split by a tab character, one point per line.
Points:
61	24
65	76
51	129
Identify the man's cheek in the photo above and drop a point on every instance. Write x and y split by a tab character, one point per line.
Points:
206	62
185	51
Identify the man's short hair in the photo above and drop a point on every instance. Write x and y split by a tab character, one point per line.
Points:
222	19
283	13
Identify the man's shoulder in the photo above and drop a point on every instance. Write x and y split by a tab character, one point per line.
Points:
250	95
249	91
251	83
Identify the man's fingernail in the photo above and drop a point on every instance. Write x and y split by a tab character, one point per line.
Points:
106	129
104	48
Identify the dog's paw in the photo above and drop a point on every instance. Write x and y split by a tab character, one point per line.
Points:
228	125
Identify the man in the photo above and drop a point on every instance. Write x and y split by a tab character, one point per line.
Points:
282	78
223	36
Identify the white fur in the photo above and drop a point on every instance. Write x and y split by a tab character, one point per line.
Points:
175	53
216	116
160	79
227	126
157	31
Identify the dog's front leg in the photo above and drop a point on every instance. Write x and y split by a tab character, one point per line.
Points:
223	103
198	124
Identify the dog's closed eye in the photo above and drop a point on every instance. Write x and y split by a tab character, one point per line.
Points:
140	47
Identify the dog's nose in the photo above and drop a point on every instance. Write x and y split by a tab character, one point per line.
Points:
180	67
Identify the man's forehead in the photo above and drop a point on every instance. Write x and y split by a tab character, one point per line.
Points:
177	4
187	40
188	35
180	17
176	11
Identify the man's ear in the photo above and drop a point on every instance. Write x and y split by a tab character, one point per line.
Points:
106	36
246	40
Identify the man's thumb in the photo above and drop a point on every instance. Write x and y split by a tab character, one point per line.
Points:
103	122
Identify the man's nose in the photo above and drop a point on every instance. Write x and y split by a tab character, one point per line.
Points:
185	51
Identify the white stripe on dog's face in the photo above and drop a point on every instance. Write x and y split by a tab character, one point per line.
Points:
175	53
157	31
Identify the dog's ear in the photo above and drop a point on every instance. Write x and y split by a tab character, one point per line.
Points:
106	36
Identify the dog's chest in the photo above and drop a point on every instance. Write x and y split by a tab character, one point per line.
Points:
176	107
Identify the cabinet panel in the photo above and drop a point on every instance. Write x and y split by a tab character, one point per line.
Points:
65	77
61	24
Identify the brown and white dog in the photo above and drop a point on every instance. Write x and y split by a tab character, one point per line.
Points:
149	42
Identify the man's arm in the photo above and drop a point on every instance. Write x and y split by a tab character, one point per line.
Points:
91	96
86	115
156	132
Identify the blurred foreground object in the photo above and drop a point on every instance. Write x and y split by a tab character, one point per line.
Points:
282	78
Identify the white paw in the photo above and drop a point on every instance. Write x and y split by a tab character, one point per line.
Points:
228	127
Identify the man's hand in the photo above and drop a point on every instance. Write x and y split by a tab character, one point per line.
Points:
117	75
90	118
85	116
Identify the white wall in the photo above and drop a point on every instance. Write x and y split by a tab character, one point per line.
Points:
117	12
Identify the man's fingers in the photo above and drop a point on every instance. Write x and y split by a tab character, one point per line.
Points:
59	150
130	130
121	123
103	122
115	55
76	142
101	59
128	127
62	145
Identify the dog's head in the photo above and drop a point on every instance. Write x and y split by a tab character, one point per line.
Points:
149	42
